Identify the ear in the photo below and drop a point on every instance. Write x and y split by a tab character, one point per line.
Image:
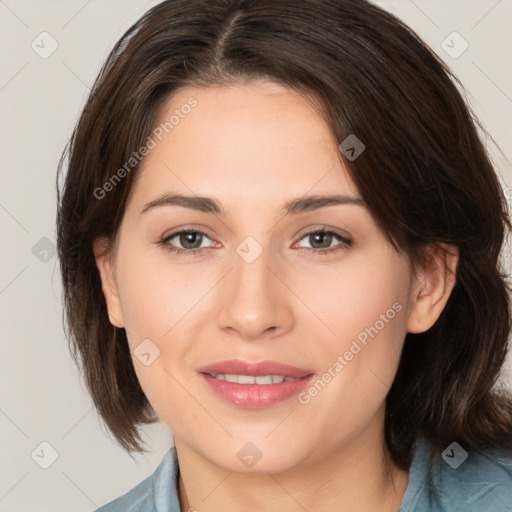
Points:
432	286
104	262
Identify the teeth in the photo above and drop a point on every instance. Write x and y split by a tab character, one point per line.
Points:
250	379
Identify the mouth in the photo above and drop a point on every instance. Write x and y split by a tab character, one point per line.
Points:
251	385
265	380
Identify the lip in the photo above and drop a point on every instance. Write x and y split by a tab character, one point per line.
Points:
255	396
240	367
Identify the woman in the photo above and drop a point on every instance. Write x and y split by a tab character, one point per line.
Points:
279	233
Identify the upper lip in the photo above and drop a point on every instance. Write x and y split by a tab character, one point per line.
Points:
240	367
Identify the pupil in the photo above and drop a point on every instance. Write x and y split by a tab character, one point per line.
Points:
190	238
319	237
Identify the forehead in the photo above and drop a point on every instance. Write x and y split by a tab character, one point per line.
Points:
258	140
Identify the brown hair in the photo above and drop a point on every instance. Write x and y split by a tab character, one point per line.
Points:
424	175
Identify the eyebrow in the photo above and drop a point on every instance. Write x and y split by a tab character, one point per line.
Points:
212	206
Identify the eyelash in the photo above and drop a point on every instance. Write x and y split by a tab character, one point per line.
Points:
345	242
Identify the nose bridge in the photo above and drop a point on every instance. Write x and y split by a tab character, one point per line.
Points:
254	298
251	264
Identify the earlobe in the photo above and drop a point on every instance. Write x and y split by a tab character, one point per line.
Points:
108	282
432	287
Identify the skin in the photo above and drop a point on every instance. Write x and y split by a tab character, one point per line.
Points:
253	147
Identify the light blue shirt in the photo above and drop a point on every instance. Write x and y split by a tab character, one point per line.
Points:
481	483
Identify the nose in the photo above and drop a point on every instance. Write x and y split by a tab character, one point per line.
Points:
254	302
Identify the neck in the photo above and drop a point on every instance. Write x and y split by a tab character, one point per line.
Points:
358	477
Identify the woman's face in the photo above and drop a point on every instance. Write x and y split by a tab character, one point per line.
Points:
257	292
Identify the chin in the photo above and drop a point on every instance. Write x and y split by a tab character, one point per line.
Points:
254	457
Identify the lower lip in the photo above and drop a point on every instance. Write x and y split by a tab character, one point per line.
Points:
255	396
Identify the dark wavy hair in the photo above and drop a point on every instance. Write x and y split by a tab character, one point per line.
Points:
424	175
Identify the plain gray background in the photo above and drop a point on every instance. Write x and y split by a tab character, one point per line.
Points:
42	399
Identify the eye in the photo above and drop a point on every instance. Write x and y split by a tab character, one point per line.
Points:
189	239
323	239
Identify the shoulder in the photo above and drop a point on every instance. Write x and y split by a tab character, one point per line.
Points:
459	480
157	493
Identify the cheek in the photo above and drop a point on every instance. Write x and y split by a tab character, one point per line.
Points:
153	299
369	296
376	323
375	308
366	309
157	306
